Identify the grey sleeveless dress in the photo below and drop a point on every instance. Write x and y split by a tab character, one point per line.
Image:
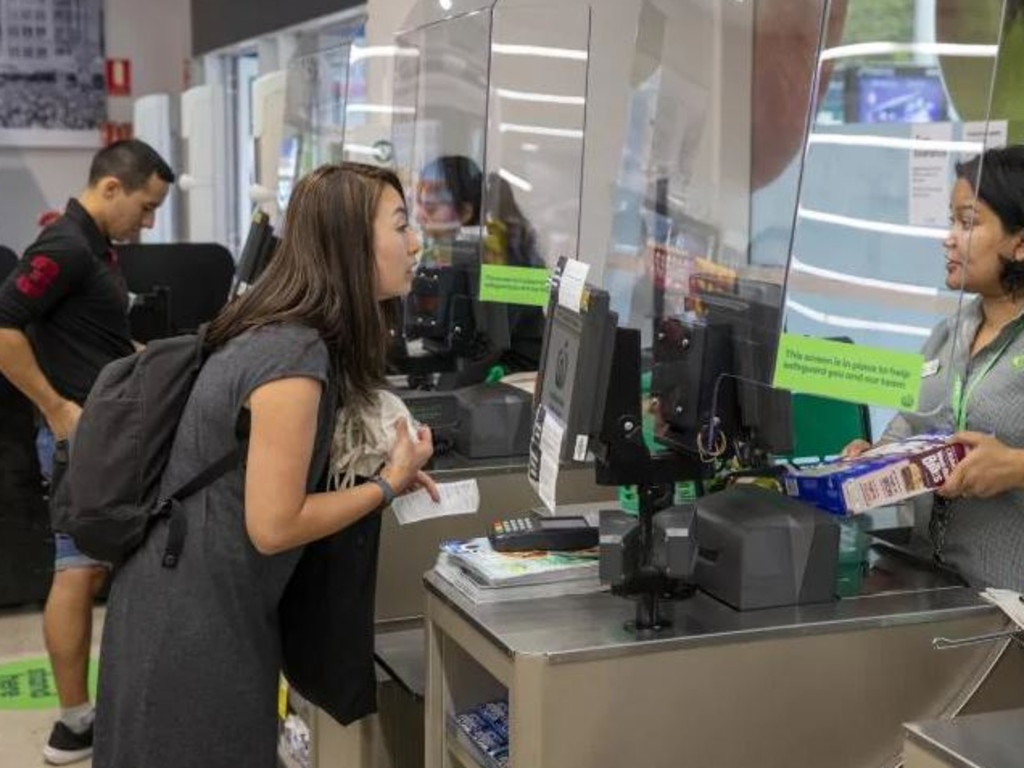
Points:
190	656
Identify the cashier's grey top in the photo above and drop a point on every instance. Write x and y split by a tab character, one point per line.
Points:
984	538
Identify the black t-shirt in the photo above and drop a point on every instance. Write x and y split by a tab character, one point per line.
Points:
70	300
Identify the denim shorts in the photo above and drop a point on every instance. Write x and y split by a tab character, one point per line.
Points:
67	555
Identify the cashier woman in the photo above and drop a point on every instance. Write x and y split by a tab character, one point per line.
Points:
974	376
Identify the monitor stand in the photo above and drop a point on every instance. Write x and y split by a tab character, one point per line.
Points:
633	565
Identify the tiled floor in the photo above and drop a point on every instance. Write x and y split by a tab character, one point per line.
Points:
23	733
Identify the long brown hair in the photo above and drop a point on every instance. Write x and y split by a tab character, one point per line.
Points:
323	274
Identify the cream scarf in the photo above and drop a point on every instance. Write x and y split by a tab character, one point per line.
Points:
363	438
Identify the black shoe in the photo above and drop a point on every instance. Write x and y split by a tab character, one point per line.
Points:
65	746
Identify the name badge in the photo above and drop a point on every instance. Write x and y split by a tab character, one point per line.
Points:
930	368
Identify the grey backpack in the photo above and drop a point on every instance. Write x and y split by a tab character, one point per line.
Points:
109	496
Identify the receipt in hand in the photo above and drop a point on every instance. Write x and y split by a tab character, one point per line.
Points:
461	498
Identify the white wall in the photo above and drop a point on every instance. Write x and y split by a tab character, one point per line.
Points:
156	36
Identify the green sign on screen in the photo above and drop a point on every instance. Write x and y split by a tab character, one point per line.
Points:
28	684
514	285
859	374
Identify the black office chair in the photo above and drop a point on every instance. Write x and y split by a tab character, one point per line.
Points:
179	285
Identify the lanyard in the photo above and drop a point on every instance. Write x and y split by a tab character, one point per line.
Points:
960	396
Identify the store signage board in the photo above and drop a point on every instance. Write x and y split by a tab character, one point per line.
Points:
514	285
850	372
28	684
928	182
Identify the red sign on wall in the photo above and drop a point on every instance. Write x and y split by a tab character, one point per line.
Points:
119	77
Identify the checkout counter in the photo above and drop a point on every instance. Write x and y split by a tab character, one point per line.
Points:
819	685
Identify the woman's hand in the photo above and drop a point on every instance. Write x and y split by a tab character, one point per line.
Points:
990	467
407	458
423	481
855	448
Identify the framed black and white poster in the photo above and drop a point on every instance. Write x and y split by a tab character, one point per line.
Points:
52	90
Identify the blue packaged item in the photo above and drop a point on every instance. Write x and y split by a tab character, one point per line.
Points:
822	484
483	736
495	713
885	474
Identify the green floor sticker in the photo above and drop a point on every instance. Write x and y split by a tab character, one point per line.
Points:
28	684
859	374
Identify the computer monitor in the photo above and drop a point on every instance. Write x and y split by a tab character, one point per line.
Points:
575	365
458	337
440	309
896	95
177	286
753	314
712	372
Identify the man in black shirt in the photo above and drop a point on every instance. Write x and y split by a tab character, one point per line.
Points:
63	316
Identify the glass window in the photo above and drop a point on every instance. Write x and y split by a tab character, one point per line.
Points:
867	259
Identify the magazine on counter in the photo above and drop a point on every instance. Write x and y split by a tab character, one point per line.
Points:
492	568
478	592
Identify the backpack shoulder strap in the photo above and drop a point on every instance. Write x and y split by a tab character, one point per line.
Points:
171	506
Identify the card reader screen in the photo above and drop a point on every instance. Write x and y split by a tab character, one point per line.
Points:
555	522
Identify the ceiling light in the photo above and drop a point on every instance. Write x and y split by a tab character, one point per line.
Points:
541	130
515	181
892	142
539	50
357	53
540	98
928	49
840	321
933	233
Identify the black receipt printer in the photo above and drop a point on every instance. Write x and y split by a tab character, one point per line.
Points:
757	548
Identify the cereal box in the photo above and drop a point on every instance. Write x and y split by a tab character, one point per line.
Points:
882	475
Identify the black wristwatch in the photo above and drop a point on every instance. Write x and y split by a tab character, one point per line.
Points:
385	488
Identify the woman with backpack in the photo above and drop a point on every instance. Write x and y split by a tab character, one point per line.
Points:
192	653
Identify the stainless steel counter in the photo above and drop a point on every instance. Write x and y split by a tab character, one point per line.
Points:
575	628
992	740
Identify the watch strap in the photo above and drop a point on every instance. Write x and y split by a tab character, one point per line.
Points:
385	488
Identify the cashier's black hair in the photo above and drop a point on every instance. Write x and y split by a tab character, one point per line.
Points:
131	162
462	176
997	178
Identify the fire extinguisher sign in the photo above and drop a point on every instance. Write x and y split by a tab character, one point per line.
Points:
119	77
